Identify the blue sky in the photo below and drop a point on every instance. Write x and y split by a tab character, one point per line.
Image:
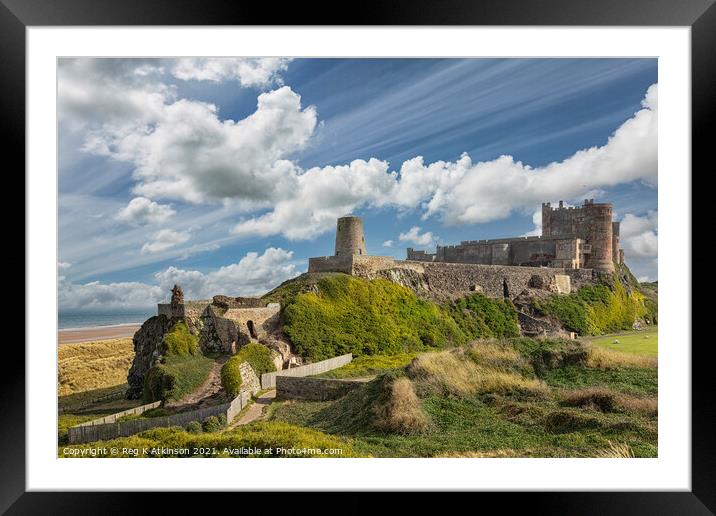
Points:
227	174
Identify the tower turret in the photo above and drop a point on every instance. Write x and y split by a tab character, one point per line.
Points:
350	238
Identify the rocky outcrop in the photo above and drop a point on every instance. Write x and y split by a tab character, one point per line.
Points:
149	347
532	322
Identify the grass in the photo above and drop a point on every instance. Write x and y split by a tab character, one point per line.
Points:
350	315
510	398
370	365
261	439
183	368
644	342
78	400
597	309
605	358
176	377
89	366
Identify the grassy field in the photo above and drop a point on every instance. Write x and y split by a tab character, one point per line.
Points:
89	366
643	342
489	401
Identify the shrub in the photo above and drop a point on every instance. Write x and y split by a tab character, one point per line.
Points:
351	315
156	412
180	341
596	309
212	424
258	357
231	376
479	316
194	427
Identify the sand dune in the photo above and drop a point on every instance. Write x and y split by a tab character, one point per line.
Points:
119	331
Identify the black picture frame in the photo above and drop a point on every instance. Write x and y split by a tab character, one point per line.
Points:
700	15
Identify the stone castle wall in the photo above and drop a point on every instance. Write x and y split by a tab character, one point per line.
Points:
350	238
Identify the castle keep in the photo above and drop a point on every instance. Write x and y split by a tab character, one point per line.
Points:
582	237
576	244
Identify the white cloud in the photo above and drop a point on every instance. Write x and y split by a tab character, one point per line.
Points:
163	240
97	91
388	243
639	235
192	155
253	274
460	192
250	72
142	211
107	296
63	265
415	237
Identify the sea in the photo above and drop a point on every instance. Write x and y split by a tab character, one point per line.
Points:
85	319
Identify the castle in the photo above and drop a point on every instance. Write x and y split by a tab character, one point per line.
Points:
577	244
572	238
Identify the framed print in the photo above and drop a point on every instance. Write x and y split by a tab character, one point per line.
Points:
445	248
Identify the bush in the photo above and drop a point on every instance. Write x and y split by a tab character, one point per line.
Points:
212	424
180	341
479	316
350	315
231	376
596	309
194	427
258	357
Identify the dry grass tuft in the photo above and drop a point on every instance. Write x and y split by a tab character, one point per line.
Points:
400	411
604	358
617	451
456	373
606	400
93	365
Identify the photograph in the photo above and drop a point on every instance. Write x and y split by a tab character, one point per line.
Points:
357	257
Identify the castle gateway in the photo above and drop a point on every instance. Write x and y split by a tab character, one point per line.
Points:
582	237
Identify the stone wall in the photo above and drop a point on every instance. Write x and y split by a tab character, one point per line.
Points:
331	264
314	389
255	322
268	380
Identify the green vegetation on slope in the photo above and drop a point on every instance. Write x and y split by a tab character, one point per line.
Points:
481	317
596	309
516	397
370	365
343	314
183	369
263	439
350	315
256	355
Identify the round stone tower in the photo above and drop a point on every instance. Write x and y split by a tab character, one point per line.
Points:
598	219
350	239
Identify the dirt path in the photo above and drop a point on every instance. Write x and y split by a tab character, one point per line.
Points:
208	393
257	411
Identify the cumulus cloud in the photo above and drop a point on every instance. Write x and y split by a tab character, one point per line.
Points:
163	240
189	154
250	72
254	274
95	91
142	211
639	235
414	236
460	192
388	243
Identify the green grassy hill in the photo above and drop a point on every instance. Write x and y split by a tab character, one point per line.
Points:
330	315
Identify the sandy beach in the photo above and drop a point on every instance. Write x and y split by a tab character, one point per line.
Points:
118	331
